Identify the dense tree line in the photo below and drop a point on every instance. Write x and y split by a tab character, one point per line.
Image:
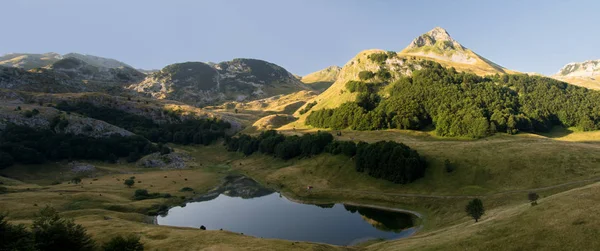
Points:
388	160
192	131
26	145
464	104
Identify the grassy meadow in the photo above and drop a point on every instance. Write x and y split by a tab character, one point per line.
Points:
562	167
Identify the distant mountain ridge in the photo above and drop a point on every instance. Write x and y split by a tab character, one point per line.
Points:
30	60
199	83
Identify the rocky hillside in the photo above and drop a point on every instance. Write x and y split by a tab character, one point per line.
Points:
585	74
438	45
323	79
29	61
69	75
78	69
199	83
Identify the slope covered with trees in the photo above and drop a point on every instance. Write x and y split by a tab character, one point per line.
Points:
193	131
464	104
387	160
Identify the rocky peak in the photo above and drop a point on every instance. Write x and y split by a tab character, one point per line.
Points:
583	69
434	37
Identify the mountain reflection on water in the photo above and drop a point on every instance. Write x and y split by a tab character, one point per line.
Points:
241	205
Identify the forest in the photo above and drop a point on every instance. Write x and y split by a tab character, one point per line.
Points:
459	104
191	131
25	145
387	160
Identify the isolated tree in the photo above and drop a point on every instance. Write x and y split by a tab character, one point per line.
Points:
475	209
51	232
119	243
129	182
533	197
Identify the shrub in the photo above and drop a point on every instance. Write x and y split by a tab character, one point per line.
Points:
366	75
120	243
129	182
533	197
186	189
379	57
51	232
449	166
76	180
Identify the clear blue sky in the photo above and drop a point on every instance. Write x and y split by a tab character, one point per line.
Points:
302	36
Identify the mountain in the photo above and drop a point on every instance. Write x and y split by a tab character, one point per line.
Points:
323	79
438	45
29	61
200	83
585	74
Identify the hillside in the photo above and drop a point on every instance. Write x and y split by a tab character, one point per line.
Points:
322	79
69	75
199	83
28	60
585	74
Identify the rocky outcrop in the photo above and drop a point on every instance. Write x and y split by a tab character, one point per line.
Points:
585	74
41	117
590	68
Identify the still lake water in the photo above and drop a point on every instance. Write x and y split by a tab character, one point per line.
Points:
274	216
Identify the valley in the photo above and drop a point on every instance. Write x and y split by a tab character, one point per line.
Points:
425	130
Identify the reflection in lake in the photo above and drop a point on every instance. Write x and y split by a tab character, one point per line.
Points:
270	215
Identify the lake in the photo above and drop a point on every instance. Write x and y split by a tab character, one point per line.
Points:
267	214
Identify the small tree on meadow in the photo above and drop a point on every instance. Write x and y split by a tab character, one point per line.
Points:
533	197
475	209
129	182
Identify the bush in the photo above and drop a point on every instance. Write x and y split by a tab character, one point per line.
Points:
129	182
76	180
379	57
143	194
186	189
366	75
533	197
449	166
51	232
120	243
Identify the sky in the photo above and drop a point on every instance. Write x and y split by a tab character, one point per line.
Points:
301	36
